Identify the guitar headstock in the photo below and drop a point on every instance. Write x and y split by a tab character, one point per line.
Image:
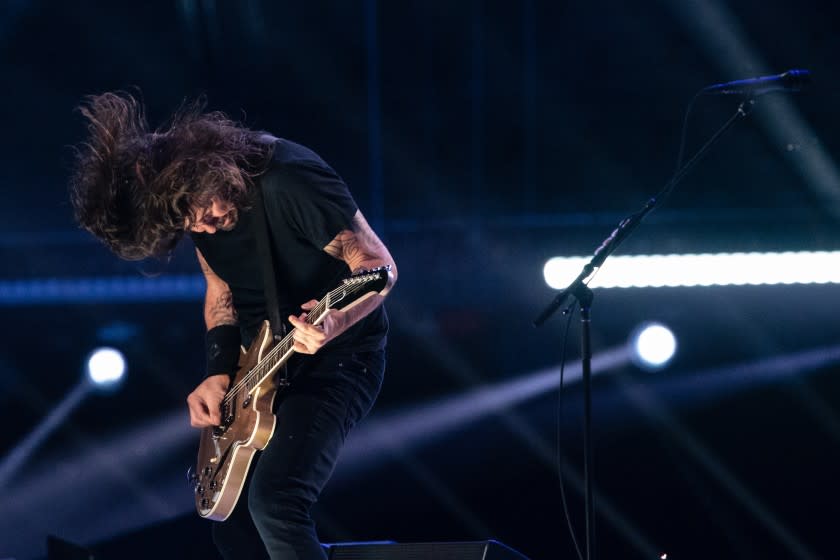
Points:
373	280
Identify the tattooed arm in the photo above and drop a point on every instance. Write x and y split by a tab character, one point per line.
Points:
218	300
204	402
360	248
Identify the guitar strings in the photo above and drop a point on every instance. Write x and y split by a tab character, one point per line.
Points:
353	285
284	344
287	342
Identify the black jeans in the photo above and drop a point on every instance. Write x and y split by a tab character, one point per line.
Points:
327	396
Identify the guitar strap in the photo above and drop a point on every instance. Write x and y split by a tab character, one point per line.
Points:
278	327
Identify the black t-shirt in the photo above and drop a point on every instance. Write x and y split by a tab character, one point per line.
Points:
307	205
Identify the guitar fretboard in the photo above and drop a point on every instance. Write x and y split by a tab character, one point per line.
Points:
283	350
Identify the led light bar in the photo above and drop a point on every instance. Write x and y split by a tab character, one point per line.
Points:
101	289
720	269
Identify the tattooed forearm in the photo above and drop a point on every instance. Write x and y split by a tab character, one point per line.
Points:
218	301
359	246
348	247
220	311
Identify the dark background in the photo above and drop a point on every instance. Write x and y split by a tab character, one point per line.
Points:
480	139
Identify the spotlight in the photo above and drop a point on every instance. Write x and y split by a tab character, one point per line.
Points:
653	345
105	366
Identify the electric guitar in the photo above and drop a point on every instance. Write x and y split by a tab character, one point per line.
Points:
225	452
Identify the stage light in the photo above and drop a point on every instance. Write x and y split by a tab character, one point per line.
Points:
105	366
722	269
124	289
653	346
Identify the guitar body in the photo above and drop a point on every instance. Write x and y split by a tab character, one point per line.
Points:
225	453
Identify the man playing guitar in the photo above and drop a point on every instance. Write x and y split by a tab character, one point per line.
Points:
139	192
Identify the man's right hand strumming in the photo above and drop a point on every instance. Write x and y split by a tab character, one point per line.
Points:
206	400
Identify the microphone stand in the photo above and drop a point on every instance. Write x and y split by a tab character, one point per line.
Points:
579	290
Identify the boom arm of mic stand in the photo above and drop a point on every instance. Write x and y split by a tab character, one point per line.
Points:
626	227
601	253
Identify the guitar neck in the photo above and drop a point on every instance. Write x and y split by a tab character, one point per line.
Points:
284	349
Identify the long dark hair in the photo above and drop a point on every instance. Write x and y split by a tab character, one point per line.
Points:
135	189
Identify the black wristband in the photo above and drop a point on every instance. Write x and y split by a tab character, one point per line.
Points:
222	344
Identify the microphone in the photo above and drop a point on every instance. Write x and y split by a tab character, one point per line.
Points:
792	80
